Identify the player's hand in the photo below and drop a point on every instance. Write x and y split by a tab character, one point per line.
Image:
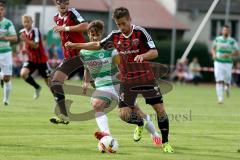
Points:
85	87
118	75
58	28
2	38
70	45
22	37
139	58
226	55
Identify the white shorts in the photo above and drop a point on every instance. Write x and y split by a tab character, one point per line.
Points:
223	72
107	93
6	63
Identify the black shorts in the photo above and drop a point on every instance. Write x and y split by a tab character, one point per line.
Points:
68	66
43	68
129	92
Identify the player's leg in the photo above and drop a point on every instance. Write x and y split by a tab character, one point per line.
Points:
26	72
228	78
7	87
149	126
219	77
6	66
163	124
56	85
99	105
45	71
154	98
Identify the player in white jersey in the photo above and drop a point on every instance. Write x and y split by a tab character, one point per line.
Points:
101	66
223	50
7	35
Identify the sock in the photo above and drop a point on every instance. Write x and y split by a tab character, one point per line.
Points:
135	119
219	90
150	126
58	93
102	122
163	124
7	89
32	82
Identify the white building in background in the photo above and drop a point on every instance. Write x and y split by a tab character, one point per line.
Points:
192	12
42	17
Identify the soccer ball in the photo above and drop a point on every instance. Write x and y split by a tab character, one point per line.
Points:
108	144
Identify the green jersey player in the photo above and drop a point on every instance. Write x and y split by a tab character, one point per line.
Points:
7	35
101	66
223	51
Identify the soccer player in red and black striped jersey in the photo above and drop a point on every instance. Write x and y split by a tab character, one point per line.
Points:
135	47
70	25
37	58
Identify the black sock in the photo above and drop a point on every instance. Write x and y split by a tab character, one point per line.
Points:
135	119
163	124
58	93
32	82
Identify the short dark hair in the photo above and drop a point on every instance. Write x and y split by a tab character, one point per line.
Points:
3	3
226	26
120	13
96	25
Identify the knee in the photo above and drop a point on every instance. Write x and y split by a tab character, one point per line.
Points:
6	78
23	75
160	110
97	107
125	115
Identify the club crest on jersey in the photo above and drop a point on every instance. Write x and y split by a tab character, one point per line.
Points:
135	42
101	55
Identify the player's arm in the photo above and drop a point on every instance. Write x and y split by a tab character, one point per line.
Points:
87	46
82	27
236	50
105	43
12	36
31	43
152	52
81	24
213	52
213	49
86	82
36	39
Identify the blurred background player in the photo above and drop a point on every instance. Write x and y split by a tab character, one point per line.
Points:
195	71
134	44
70	25
101	65
7	35
37	58
223	50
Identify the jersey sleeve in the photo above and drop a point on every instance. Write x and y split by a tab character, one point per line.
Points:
147	39
235	46
214	43
107	43
77	16
36	35
11	30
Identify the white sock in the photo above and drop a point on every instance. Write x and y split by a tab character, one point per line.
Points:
150	126
226	88
220	90
6	90
102	122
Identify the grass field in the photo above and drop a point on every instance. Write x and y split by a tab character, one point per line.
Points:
200	128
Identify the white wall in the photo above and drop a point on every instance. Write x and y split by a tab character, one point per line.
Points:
50	12
170	5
